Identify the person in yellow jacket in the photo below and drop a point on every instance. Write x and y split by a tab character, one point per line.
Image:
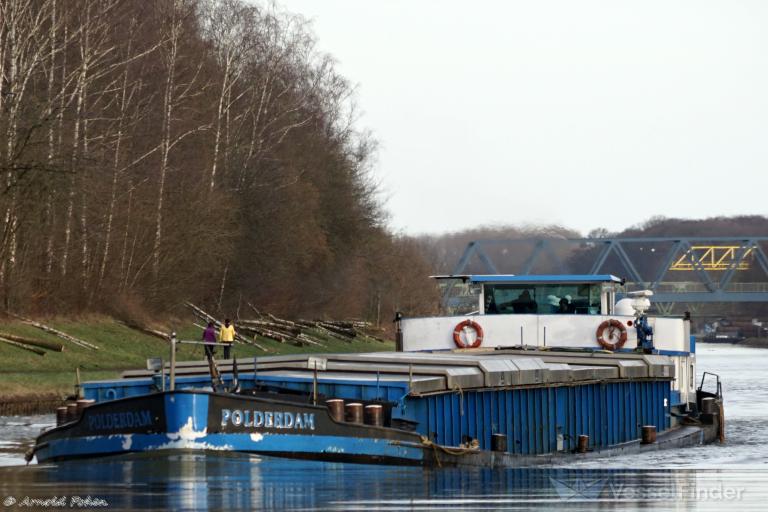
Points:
227	335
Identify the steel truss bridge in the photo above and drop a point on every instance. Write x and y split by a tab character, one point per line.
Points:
677	269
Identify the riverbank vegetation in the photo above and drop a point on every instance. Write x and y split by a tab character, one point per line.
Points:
120	347
187	150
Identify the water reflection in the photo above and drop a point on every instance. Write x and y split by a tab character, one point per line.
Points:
195	482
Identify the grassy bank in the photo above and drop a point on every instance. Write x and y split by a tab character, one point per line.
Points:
120	348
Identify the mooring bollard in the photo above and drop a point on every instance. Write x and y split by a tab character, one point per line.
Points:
374	415
336	408
354	413
499	443
71	412
82	404
648	434
583	444
61	415
709	412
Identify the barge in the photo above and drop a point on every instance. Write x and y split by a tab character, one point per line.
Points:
539	369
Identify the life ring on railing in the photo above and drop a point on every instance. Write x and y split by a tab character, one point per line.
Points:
461	327
612	326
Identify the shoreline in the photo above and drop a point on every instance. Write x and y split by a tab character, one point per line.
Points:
746	342
753	343
30	403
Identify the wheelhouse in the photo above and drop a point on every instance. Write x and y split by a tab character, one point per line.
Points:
534	294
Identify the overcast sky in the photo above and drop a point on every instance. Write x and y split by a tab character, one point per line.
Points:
581	113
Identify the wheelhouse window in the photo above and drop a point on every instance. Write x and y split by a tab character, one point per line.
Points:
574	299
459	297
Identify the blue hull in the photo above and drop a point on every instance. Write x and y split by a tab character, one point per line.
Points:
202	421
331	448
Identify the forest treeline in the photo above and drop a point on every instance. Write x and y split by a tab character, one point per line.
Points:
168	150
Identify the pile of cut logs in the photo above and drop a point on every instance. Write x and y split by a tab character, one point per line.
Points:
298	332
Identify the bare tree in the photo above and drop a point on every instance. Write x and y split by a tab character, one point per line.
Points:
176	92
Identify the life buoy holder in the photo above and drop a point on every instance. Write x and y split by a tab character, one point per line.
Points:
611	325
463	325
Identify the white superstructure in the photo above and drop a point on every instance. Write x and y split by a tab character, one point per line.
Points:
551	312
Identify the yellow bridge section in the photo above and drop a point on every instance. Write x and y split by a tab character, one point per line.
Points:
713	257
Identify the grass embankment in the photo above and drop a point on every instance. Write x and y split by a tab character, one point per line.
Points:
121	348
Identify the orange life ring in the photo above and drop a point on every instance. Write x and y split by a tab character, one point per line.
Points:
457	334
612	325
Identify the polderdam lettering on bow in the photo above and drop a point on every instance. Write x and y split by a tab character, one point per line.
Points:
117	420
268	419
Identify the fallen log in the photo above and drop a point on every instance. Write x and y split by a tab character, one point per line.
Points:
245	324
381	340
50	345
340	323
311	341
350	333
254	309
279	332
287	323
316	325
266	333
55	332
16	344
273	320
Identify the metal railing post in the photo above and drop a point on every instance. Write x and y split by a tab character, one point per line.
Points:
173	361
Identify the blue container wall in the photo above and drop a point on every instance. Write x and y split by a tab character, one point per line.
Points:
101	391
533	418
112	390
349	390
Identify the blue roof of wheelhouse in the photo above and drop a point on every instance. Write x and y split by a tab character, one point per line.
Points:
544	279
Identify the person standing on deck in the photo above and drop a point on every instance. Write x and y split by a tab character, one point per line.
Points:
209	338
227	335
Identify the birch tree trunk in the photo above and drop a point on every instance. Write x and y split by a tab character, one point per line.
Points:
176	92
124	99
170	84
60	134
50	218
79	94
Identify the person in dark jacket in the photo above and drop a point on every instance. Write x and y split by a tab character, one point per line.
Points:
209	337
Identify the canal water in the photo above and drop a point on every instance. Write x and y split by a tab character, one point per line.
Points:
733	476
